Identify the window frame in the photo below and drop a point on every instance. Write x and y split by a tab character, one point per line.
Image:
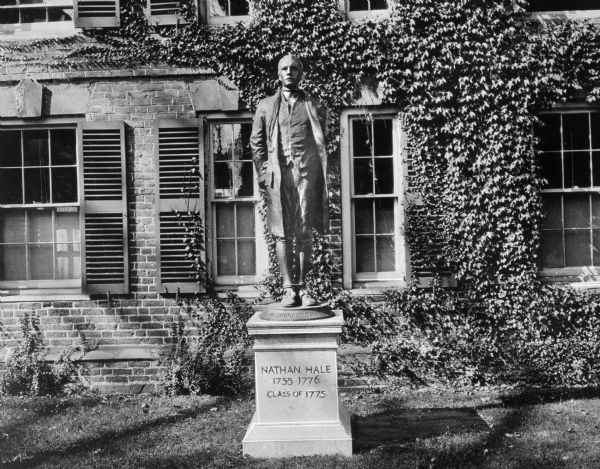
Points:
219	20
261	251
584	273
66	286
344	7
37	28
377	280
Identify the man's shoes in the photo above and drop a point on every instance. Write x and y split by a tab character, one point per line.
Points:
307	300
288	299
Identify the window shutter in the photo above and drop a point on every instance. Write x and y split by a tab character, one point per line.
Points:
164	12
178	152
96	13
105	207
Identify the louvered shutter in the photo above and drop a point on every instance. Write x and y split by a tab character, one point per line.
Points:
164	12
96	13
178	152
105	207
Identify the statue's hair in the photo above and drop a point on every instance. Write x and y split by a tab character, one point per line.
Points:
292	57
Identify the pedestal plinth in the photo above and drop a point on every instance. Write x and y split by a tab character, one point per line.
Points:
297	408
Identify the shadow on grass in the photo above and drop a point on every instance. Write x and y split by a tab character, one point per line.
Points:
404	425
82	446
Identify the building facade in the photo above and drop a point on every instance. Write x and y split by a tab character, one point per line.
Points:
94	161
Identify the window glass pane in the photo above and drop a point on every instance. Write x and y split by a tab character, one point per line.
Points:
246	257
242	178
553	211
9	16
378	4
31	2
559	5
576	131
63	146
226	257
383	137
386	257
363	216
595	116
577	248
35	145
361	143
41	261
596	168
596	246
68	248
219	7
13	262
37	186
239	7
577	169
223	180
384	176
384	216
225	221
551	249
13	226
241	149
67	227
551	170
10	148
7	2
33	15
357	5
365	255
11	184
39	226
245	220
59	14
363	176
577	210
222	141
68	261
596	210
548	132
64	185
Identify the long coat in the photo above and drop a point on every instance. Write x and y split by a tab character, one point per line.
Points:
264	142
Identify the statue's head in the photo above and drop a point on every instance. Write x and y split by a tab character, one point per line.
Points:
290	70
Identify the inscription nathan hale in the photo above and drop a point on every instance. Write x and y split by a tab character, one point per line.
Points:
295	379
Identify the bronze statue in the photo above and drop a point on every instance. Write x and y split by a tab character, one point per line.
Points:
288	147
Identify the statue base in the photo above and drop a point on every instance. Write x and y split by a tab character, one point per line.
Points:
297	407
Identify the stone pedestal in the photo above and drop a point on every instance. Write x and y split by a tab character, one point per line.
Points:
297	408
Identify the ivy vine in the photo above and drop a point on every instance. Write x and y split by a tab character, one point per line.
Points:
469	78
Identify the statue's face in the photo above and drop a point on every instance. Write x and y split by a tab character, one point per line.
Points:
289	73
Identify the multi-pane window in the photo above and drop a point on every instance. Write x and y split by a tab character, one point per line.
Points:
367	5
35	11
224	9
570	164
233	202
40	237
372	175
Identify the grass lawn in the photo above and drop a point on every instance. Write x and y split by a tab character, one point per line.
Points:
412	428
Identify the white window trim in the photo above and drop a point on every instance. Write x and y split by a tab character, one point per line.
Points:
218	20
380	280
344	7
242	282
49	287
573	274
565	15
42	29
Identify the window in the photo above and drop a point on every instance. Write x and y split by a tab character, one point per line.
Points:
227	11
561	5
40	241
364	8
236	230
23	17
372	184
569	146
61	209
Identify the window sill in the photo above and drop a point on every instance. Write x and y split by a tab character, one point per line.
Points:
18	32
566	15
43	297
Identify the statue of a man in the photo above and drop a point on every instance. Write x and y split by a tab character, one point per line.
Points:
288	147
